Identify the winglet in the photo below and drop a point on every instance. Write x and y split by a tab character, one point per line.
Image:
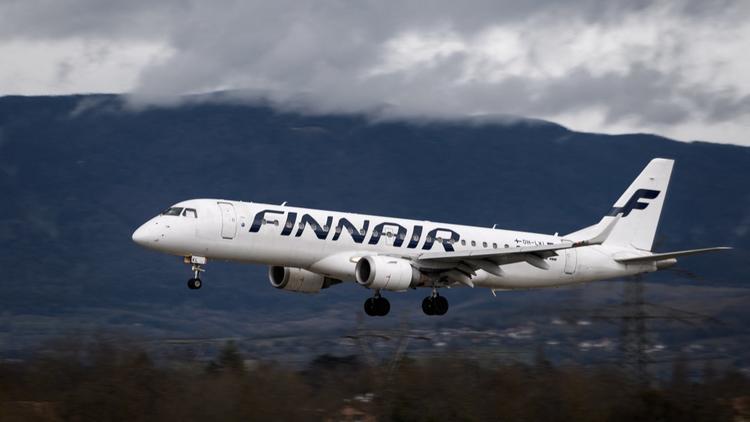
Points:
601	237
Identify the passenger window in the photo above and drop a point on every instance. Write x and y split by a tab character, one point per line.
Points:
190	212
484	244
494	245
463	242
473	243
506	245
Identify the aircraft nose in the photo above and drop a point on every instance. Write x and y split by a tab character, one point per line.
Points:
142	235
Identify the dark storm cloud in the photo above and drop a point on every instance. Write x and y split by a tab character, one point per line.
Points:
51	19
44	19
335	55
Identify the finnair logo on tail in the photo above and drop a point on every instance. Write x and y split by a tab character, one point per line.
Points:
634	202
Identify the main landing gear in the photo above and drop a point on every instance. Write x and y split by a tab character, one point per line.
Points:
435	304
377	305
431	305
198	262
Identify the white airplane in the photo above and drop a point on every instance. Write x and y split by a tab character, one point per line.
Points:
308	250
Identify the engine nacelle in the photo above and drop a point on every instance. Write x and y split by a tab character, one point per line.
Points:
385	272
298	280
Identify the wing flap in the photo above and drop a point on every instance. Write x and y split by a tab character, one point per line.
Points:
486	265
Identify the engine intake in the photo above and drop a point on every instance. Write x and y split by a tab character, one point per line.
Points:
385	272
298	280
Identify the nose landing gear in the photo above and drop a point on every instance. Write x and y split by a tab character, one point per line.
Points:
435	304
194	283
377	305
198	262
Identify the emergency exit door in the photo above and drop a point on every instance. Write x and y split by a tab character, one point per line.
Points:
571	260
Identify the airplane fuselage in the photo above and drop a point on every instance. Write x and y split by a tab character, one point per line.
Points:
309	250
331	243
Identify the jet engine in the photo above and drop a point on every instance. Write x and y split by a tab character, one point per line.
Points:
298	280
385	272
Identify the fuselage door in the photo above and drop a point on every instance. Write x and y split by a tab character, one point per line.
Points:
571	260
228	220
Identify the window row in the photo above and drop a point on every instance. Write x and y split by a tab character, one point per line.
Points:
484	244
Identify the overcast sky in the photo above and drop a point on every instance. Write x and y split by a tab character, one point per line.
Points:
676	68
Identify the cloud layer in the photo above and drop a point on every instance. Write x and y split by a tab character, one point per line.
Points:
677	68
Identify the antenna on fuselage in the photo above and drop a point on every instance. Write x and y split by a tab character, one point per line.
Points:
283	203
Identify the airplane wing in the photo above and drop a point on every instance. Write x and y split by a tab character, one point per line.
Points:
497	254
667	255
462	265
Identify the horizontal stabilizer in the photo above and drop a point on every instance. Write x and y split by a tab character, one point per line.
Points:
668	255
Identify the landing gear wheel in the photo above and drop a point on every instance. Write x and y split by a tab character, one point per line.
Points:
382	306
377	306
435	305
441	305
194	283
197	262
371	307
428	306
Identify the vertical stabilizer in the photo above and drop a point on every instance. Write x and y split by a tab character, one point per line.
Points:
640	206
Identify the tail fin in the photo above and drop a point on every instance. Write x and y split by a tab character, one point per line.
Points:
640	206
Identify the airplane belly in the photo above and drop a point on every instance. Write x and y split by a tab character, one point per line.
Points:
273	250
591	264
521	275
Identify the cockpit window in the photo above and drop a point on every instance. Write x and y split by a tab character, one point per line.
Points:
190	212
172	211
